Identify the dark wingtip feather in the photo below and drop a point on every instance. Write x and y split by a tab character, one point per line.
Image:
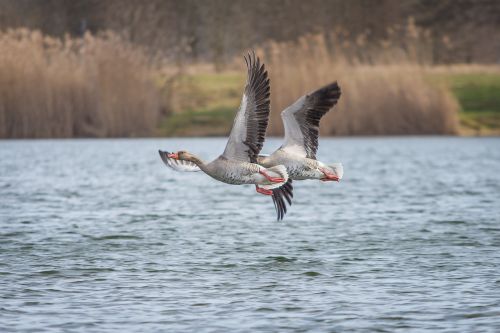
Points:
163	155
279	196
329	94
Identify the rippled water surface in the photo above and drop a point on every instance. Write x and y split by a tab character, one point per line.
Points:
99	236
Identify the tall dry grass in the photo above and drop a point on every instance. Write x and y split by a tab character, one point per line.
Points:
74	87
102	86
380	95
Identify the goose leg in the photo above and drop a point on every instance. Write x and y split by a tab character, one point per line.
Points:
328	176
263	190
271	179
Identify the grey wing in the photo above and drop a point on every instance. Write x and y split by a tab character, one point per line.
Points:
301	120
250	124
178	165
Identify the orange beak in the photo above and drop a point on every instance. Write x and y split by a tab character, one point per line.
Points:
173	155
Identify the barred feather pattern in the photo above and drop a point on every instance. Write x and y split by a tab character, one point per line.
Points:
316	105
257	91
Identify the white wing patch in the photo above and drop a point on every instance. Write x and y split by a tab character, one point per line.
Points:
294	139
235	149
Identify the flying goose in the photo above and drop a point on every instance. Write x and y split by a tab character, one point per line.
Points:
298	152
238	164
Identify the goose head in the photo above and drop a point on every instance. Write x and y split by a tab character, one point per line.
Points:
180	155
183	155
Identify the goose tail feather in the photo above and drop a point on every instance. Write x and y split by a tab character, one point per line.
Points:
281	196
337	169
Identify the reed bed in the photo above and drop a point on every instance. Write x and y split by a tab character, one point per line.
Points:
104	86
379	97
74	87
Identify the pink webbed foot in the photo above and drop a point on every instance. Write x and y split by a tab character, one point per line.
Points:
328	176
263	190
272	179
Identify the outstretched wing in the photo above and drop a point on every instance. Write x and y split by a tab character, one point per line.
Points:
301	120
178	165
250	124
279	196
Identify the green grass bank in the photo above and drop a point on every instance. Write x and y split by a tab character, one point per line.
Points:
205	104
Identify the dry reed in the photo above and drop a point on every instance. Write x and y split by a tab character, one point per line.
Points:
101	86
74	87
390	97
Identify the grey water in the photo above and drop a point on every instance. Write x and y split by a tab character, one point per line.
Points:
99	236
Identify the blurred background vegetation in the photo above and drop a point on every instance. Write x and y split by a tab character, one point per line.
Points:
89	68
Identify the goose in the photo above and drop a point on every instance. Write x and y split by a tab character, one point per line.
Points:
298	152
238	163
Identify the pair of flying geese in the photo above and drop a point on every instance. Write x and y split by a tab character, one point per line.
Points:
241	162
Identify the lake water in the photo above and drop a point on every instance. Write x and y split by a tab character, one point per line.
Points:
99	236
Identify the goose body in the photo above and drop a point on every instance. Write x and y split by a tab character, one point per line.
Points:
238	163
234	172
240	173
302	168
298	167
